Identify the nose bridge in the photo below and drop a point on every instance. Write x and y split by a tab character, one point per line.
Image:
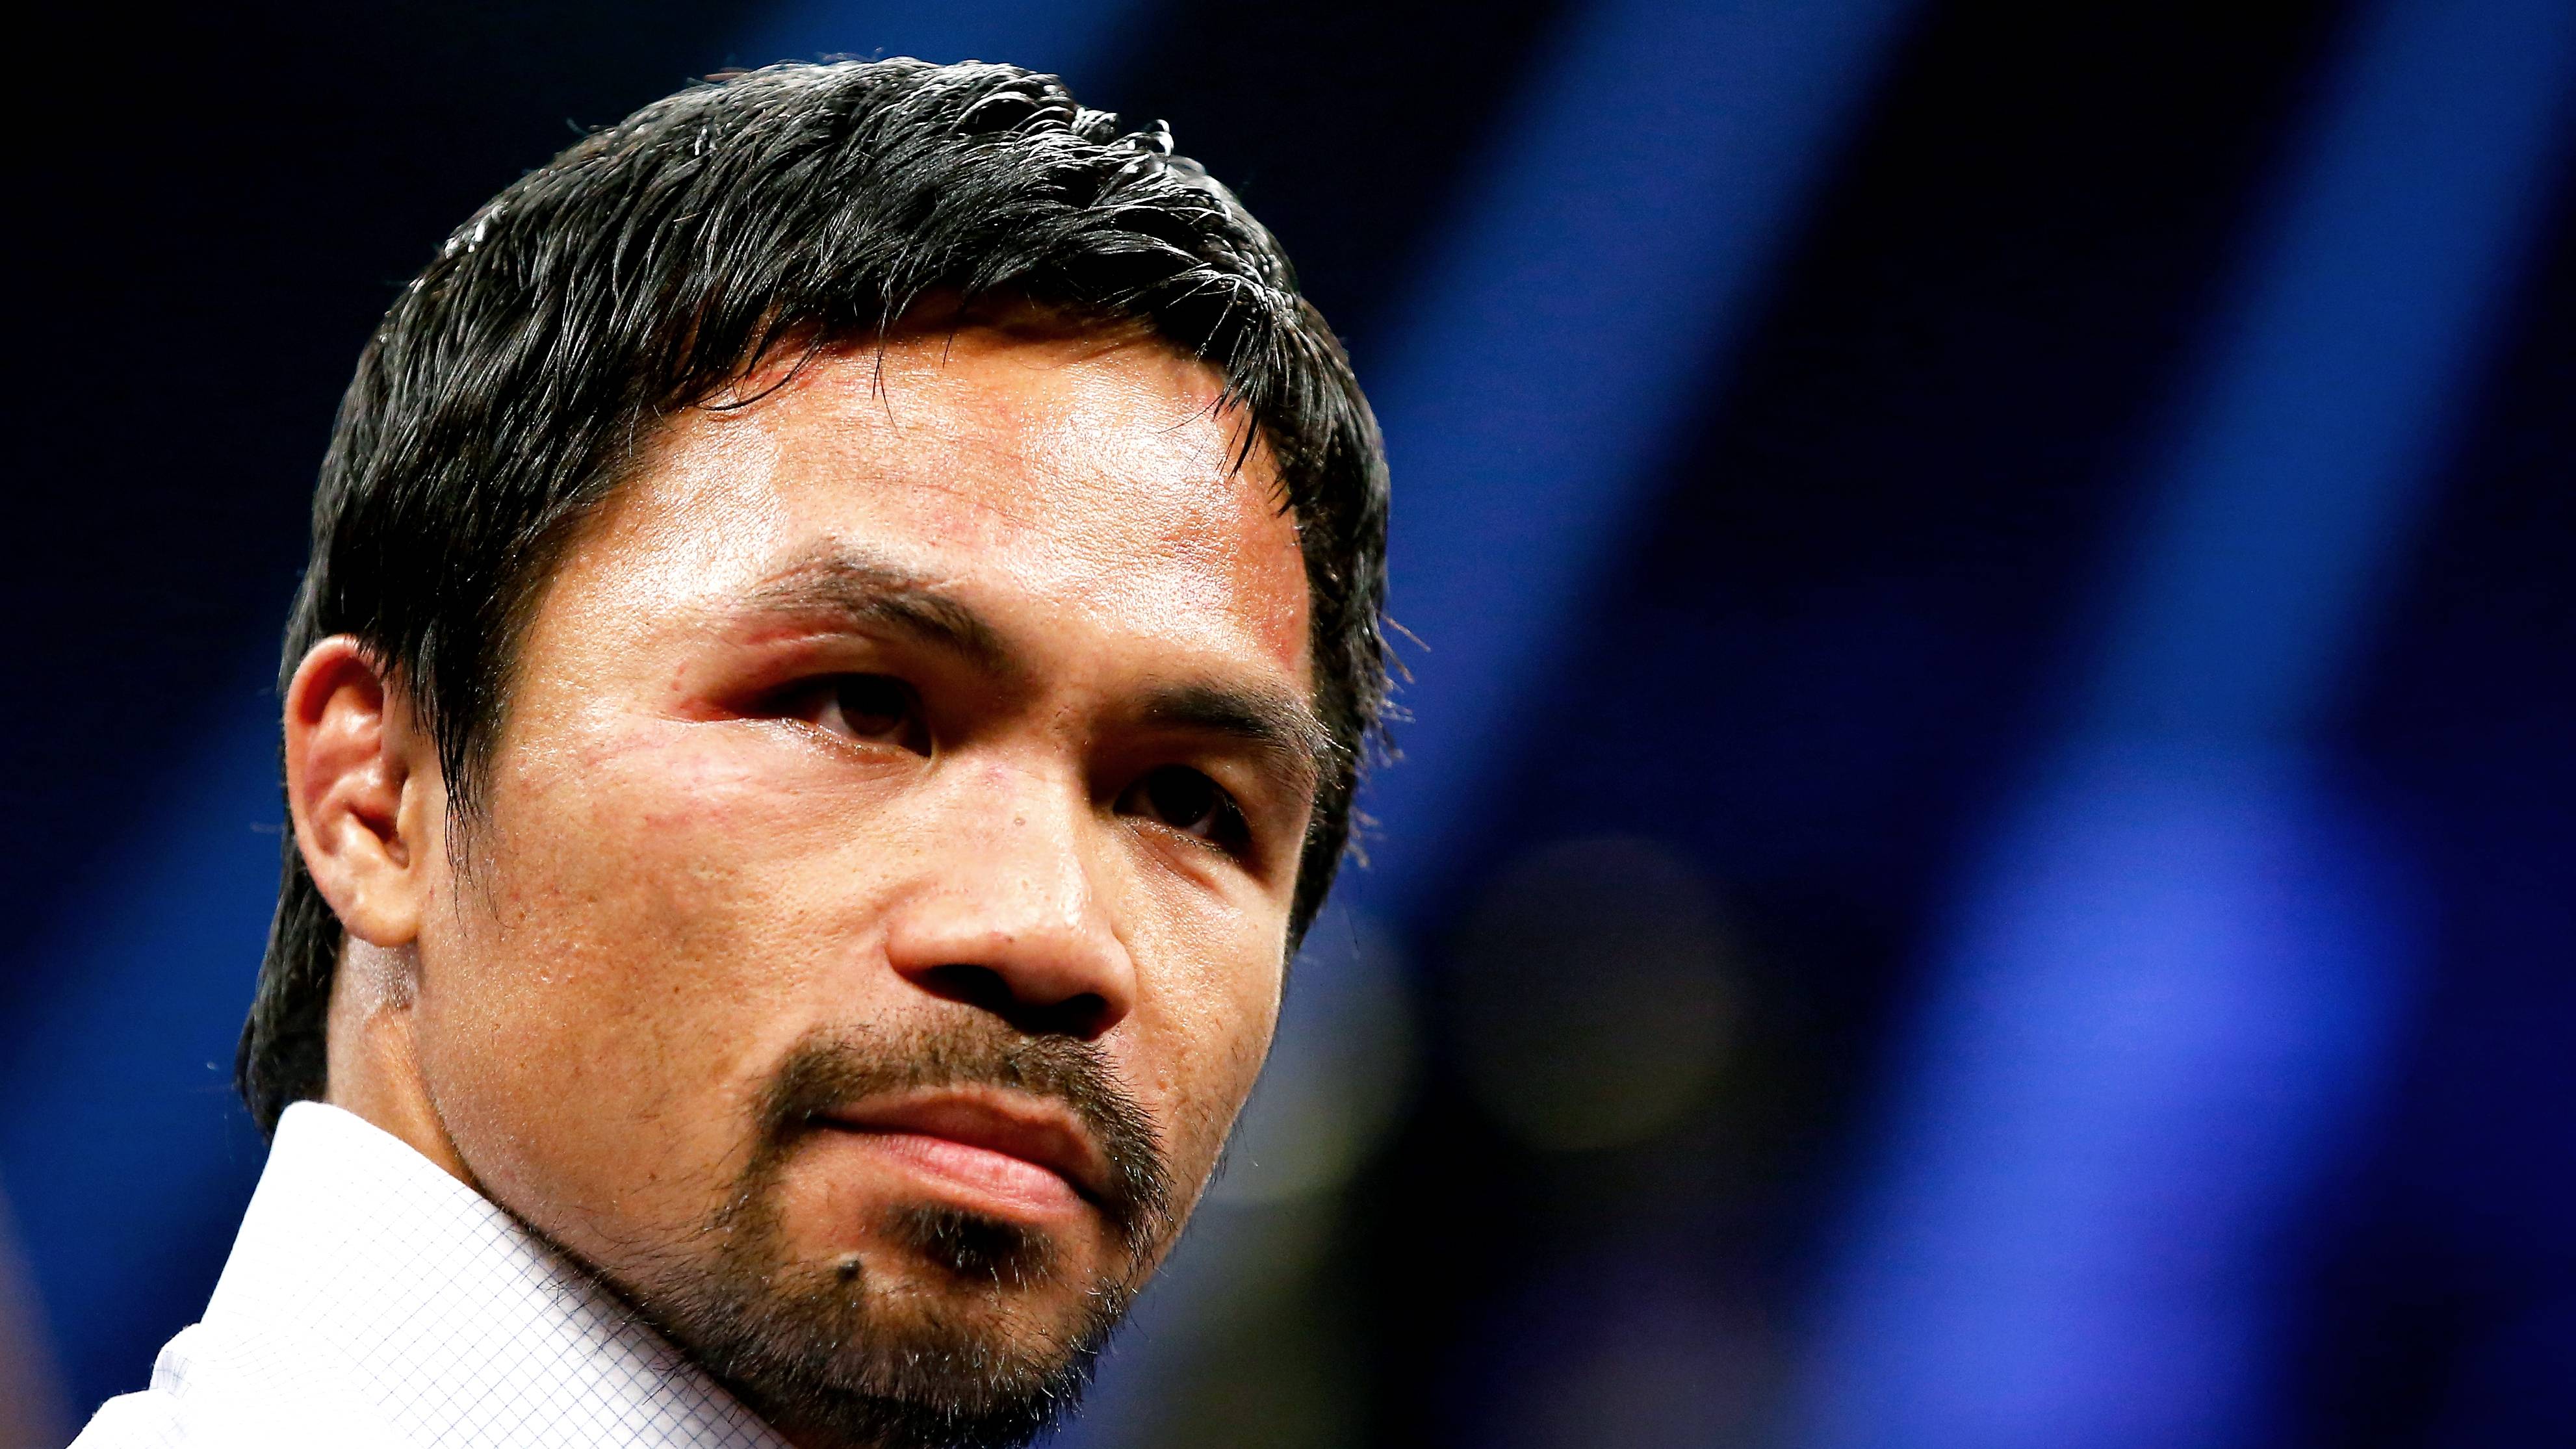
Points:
1032	844
1010	915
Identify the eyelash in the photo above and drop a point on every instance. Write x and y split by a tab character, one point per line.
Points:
882	708
1228	829
861	702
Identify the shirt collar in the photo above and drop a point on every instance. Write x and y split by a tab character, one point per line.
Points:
461	1326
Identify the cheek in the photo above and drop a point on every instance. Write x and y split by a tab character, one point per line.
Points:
635	948
1214	1003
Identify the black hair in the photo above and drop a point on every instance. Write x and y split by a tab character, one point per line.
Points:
651	266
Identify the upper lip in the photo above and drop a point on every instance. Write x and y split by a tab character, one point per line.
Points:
1013	1123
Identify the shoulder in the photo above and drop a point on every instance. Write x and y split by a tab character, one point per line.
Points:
219	1386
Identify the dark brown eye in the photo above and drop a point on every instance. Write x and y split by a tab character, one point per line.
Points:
1188	802
871	707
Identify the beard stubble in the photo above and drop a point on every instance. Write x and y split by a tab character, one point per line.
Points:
823	1350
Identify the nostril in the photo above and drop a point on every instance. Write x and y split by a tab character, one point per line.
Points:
979	986
1083	1014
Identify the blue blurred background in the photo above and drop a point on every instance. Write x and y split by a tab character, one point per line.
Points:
1984	843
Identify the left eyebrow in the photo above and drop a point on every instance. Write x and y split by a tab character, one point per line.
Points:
1278	725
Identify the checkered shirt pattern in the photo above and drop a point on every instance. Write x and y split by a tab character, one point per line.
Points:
373	1300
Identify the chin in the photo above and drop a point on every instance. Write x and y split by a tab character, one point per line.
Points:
945	1327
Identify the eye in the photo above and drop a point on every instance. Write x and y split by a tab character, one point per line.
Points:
873	707
1189	802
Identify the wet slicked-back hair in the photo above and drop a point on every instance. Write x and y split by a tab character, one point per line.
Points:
648	268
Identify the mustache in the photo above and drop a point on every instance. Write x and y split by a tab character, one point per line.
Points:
833	1067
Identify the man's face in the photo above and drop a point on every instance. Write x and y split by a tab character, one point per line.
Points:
890	846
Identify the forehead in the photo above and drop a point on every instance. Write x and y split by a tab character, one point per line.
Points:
1091	477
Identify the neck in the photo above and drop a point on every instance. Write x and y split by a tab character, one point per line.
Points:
372	1060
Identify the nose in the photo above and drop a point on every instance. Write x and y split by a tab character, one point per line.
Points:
1007	917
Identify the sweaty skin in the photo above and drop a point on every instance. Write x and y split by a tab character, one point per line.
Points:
857	711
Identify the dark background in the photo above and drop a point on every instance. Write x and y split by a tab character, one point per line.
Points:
1673	1085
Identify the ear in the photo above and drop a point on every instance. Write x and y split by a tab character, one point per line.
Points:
362	787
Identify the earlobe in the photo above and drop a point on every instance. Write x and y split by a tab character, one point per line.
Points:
358	784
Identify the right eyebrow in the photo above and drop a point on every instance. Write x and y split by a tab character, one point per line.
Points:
861	589
1281	727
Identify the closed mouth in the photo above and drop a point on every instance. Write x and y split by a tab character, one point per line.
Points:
985	1137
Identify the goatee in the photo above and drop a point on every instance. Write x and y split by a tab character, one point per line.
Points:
822	1350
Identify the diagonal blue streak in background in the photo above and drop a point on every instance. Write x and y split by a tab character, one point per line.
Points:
1611	257
2169	993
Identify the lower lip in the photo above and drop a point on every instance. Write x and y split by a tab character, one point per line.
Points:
997	1181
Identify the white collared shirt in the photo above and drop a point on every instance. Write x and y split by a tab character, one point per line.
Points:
373	1300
